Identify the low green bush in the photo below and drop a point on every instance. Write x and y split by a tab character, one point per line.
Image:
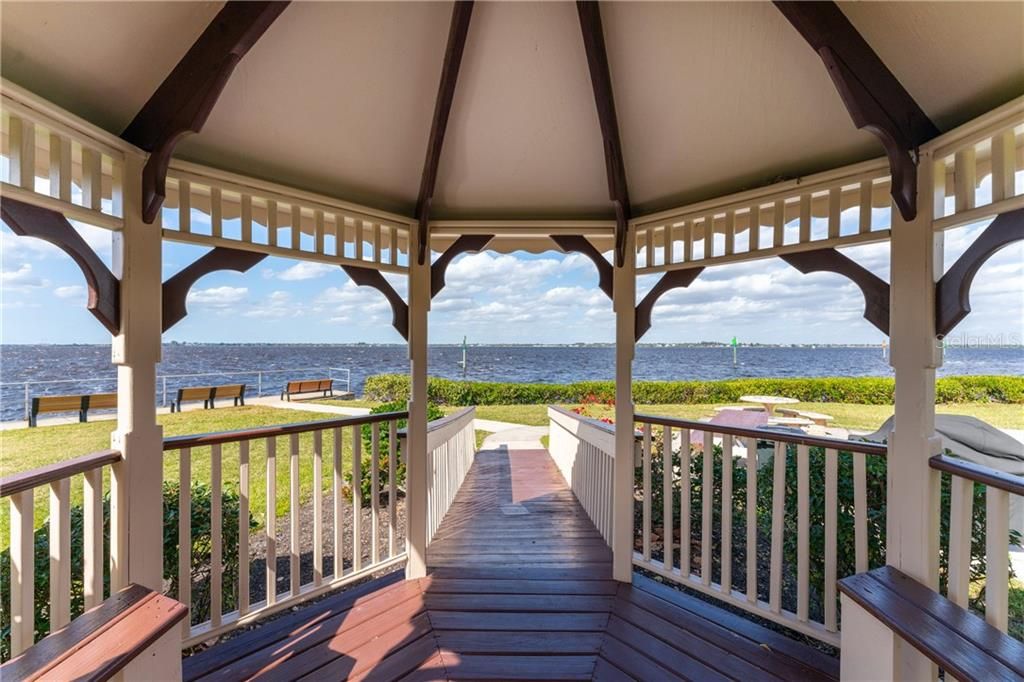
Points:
201	549
858	390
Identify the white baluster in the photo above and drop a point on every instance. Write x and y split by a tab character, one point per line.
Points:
997	562
271	522
92	537
726	530
60	554
646	527
803	529
318	507
294	509
22	569
185	534
243	527
961	510
751	444
707	486
831	531
778	517
216	538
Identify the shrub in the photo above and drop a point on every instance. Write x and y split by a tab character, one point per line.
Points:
861	390
366	471
201	547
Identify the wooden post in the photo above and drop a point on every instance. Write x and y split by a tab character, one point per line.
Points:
913	487
624	301
416	443
137	512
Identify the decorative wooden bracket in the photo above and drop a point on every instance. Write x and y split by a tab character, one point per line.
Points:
601	82
464	244
953	290
457	32
874	288
367	277
185	99
175	289
104	301
672	279
582	245
875	99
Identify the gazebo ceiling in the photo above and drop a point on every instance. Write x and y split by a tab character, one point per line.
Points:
338	97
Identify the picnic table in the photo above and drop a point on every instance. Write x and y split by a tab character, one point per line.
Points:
768	402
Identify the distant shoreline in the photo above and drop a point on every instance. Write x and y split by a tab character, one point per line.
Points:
702	344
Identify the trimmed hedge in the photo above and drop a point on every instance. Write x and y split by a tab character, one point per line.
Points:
858	390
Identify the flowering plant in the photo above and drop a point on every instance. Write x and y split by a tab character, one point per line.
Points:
589	407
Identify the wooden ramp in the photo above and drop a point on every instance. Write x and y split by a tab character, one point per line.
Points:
519	588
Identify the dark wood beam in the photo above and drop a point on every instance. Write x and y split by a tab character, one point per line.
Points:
874	288
953	290
582	245
457	32
175	289
464	244
673	279
601	80
185	99
367	277
104	300
876	100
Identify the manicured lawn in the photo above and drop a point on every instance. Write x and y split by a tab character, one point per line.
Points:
30	448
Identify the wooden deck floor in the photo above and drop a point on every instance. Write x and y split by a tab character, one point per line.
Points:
519	588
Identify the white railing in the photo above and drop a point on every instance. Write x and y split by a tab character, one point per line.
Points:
59	161
584	451
999	487
20	490
451	446
760	497
227	466
842	207
991	146
217	208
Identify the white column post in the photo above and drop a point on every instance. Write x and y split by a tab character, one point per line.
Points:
416	442
624	303
137	509
912	494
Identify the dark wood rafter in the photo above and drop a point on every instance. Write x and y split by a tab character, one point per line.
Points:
874	288
465	244
175	289
104	300
457	32
367	277
601	81
673	279
953	290
185	99
582	245
873	96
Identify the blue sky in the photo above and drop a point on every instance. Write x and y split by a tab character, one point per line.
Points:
493	298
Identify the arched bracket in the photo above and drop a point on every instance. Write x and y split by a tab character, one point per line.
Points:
874	97
464	244
104	300
175	289
953	290
185	99
367	277
582	245
874	288
673	279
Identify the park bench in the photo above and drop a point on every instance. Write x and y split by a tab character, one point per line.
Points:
102	641
71	403
958	641
209	394
323	386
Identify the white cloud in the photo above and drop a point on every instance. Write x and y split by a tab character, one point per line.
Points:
218	297
21	279
277	305
306	270
72	291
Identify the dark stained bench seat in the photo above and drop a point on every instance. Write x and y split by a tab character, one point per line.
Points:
100	642
958	641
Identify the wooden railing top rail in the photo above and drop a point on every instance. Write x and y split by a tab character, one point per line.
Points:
33	478
440	423
978	473
596	423
866	447
214	438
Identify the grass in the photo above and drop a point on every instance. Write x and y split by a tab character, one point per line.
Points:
30	448
1016	604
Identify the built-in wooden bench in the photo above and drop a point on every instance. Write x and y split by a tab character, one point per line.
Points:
100	642
323	386
209	394
958	641
71	403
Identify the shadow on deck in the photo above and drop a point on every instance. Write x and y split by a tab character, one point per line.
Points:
519	587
